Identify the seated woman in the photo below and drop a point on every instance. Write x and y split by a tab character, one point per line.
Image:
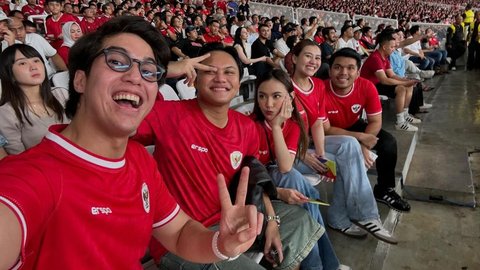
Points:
28	105
282	133
353	208
244	49
71	32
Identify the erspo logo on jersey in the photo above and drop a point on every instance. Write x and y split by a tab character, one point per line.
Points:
101	210
199	148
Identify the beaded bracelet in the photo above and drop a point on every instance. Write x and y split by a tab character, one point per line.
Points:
217	252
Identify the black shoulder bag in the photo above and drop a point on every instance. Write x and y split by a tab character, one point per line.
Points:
259	181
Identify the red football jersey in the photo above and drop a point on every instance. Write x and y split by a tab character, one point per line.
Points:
54	28
344	111
291	134
312	100
79	210
88	27
190	152
28	10
374	63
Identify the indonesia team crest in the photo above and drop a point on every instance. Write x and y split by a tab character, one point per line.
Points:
146	198
356	108
236	159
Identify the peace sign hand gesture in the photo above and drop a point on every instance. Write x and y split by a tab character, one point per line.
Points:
239	224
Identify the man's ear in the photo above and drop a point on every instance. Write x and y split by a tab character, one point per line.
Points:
294	59
79	81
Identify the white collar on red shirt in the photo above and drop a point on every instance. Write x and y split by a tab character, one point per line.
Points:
81	153
341	96
309	91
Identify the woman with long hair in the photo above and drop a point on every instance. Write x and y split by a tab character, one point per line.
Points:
353	202
283	138
28	105
244	49
71	32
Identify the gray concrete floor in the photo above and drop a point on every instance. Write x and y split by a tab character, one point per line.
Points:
432	235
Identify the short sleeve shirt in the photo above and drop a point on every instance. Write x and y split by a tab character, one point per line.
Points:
78	209
344	111
374	63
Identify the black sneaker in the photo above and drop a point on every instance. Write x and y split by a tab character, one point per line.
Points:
392	199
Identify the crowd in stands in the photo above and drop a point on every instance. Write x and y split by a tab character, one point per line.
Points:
411	10
326	81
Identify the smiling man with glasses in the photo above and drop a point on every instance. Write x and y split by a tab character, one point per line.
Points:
87	197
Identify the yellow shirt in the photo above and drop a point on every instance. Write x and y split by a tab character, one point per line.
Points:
469	16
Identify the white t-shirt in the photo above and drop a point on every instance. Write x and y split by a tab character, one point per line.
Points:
343	44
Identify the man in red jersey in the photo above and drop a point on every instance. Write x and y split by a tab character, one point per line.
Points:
199	138
55	22
32	8
88	197
346	96
378	70
89	22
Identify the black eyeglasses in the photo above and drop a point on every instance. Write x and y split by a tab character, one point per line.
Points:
119	61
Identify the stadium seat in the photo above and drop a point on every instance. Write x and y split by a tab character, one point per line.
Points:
168	93
185	91
61	79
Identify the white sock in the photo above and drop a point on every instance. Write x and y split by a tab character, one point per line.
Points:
405	112
400	118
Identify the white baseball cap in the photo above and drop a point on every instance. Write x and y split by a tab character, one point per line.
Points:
4	17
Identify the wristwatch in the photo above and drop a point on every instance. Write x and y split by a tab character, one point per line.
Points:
274	218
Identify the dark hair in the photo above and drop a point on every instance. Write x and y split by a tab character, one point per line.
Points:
212	22
365	29
291	41
217	46
14	95
284	78
326	30
345	28
262	25
83	52
346	52
238	40
414	29
384	37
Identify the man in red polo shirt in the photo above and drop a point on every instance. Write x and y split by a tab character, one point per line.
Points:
377	69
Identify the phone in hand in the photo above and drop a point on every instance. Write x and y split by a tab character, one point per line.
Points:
275	257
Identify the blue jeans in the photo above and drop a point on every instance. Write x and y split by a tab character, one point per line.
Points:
440	56
426	63
322	255
352	193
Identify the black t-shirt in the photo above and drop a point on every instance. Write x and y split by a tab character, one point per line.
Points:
259	49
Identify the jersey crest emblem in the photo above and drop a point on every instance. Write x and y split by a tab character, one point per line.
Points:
356	108
236	159
146	198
